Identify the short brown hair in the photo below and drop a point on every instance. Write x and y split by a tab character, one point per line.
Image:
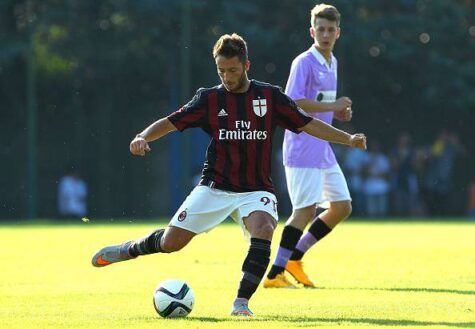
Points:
324	11
230	46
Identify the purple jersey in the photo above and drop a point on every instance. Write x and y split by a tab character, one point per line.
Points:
311	78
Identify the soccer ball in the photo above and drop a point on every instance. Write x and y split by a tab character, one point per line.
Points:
173	299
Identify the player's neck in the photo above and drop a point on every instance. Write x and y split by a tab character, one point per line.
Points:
326	53
244	88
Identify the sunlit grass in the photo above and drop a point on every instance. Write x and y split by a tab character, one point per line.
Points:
374	274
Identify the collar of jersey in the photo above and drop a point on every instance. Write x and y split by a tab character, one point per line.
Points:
320	57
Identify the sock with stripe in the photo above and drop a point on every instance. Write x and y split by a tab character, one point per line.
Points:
290	237
317	231
254	267
149	244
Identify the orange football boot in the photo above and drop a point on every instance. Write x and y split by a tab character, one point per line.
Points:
280	281
295	268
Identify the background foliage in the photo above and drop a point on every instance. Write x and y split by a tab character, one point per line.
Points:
102	70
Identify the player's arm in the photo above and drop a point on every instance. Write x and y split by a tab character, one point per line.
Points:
156	130
309	105
320	129
301	72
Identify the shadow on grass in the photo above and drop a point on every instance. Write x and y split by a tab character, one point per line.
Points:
449	291
310	321
433	290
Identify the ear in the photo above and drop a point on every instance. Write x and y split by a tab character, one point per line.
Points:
338	30
247	65
312	32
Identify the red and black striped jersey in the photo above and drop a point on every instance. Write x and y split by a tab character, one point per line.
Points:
241	127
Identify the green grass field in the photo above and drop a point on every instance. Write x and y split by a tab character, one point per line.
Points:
369	274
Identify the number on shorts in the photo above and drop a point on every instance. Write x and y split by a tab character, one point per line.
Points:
267	200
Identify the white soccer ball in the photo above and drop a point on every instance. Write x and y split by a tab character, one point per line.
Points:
173	299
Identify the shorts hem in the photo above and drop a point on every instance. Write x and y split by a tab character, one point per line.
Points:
185	228
267	212
319	203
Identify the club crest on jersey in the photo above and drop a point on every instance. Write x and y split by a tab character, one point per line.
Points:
259	106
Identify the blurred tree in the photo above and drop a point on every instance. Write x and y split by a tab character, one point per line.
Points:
106	69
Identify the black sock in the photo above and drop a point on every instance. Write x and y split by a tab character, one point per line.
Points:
319	230
319	211
149	244
274	271
254	267
296	255
290	237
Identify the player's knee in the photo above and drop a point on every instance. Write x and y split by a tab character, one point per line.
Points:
348	208
265	230
301	217
344	209
268	228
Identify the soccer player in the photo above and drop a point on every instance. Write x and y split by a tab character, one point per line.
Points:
312	172
240	116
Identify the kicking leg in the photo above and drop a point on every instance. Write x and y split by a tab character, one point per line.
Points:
161	240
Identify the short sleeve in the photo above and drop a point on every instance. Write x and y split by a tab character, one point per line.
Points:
297	79
288	114
192	114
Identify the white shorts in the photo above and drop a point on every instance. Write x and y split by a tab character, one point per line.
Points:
207	207
308	186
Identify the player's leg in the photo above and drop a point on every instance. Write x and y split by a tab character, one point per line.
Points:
290	237
166	240
305	187
259	217
320	227
336	191
261	228
203	209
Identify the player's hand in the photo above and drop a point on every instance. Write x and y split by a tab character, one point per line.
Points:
342	103
358	140
344	115
138	146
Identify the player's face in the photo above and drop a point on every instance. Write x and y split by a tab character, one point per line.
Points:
233	73
325	33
